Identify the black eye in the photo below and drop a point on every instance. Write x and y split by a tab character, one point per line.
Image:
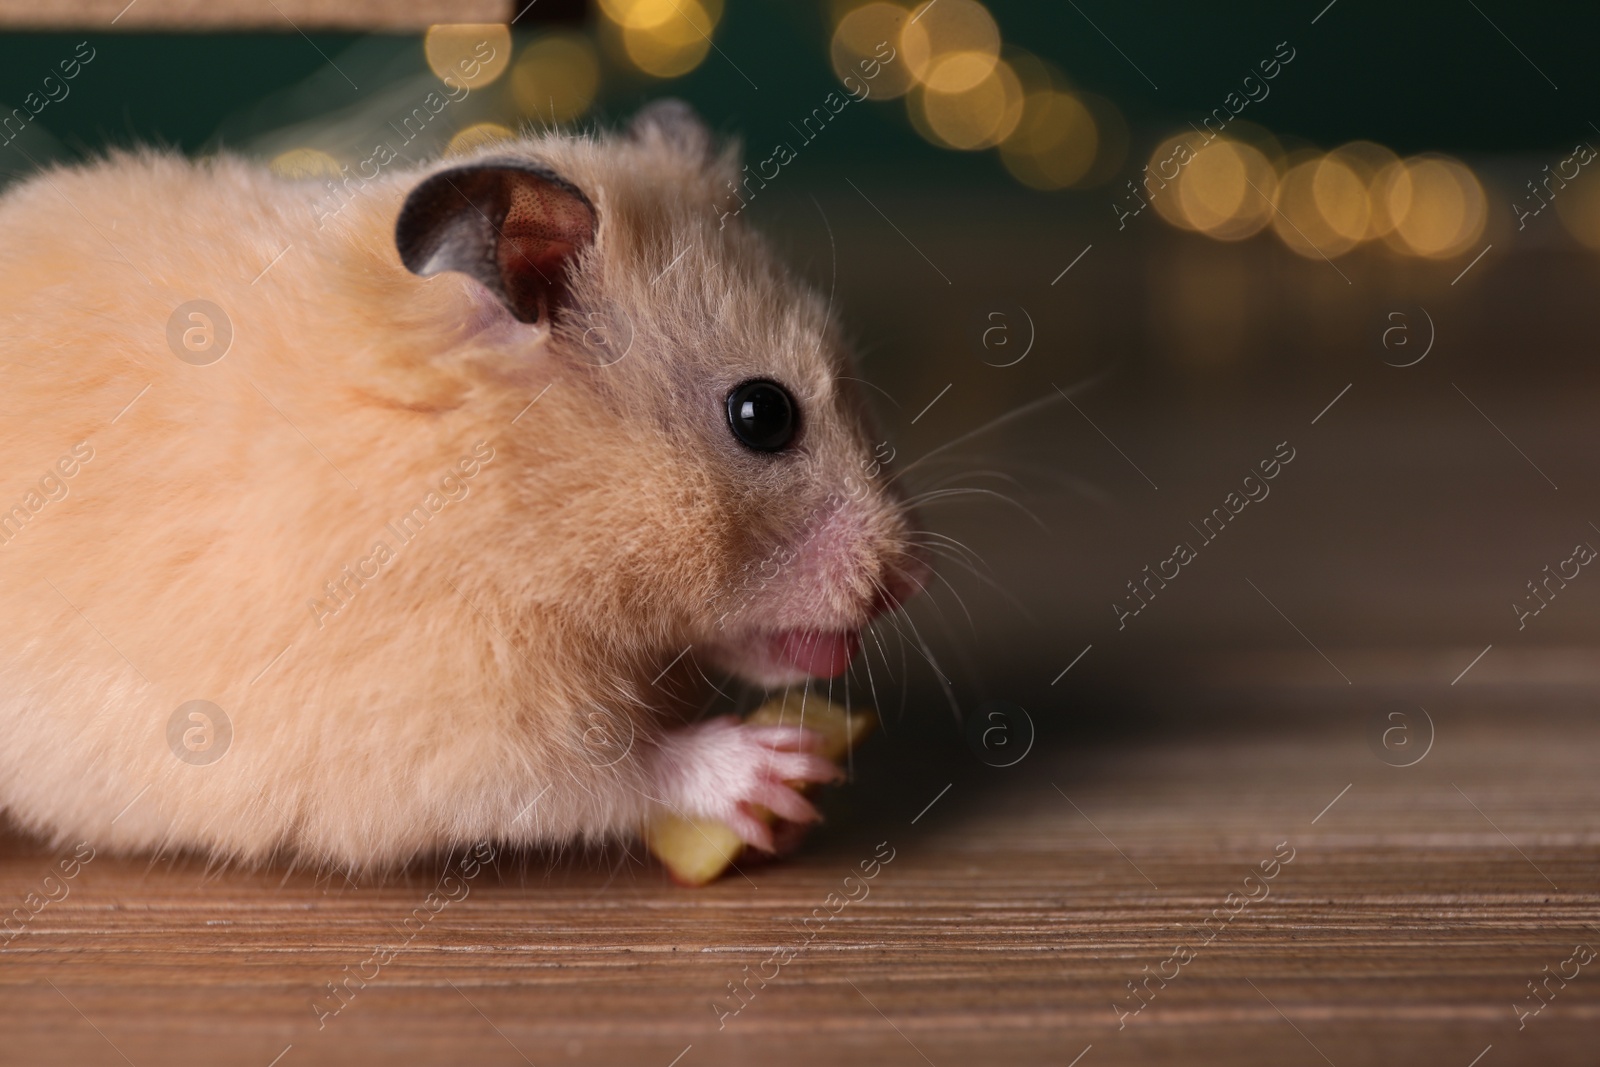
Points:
762	415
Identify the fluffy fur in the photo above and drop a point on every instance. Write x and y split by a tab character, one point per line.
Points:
453	695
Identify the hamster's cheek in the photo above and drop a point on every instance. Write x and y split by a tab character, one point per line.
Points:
797	611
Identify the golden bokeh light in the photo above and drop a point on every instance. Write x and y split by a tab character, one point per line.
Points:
866	36
304	163
1447	210
1340	193
957	72
672	47
556	78
979	116
1299	221
940	29
651	12
1579	208
1154	184
1227	190
664	38
1378	169
1390	196
1055	142
477	135
1322	205
470	54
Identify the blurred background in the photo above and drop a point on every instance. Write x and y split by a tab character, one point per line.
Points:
1100	260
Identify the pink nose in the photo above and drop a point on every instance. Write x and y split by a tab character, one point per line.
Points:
903	579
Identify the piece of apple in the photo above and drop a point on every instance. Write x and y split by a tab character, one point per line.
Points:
697	851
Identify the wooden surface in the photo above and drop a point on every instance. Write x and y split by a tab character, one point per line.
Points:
1418	904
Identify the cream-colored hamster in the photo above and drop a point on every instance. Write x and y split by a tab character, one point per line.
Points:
357	518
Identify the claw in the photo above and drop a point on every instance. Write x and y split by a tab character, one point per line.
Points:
796	767
789	738
751	830
785	802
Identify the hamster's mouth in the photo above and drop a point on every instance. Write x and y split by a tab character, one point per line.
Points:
785	657
817	653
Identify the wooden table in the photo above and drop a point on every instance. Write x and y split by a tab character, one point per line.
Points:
1018	905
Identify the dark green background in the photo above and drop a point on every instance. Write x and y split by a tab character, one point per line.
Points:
1414	76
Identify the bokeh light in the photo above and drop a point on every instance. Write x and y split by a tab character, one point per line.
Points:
473	54
860	38
979	116
304	163
1227	190
1055	142
1154	184
1299	220
1390	195
940	30
1322	205
1579	208
1378	169
1447	210
556	78
664	38
1339	190
476	136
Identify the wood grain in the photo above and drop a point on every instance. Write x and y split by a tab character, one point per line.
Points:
1013	913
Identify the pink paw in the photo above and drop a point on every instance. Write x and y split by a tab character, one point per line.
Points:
724	769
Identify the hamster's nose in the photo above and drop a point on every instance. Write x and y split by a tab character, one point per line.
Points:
903	578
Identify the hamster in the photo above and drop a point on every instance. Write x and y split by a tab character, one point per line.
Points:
354	519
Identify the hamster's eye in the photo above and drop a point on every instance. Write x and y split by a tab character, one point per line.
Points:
762	415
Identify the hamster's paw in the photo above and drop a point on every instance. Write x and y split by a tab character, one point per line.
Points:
724	769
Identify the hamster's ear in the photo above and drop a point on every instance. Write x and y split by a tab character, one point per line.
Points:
675	123
511	224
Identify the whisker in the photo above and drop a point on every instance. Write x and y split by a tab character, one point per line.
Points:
950	555
963	556
927	654
943	494
1014	414
1007	595
959	601
873	630
695	660
905	690
870	385
1054	476
998	475
951	547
